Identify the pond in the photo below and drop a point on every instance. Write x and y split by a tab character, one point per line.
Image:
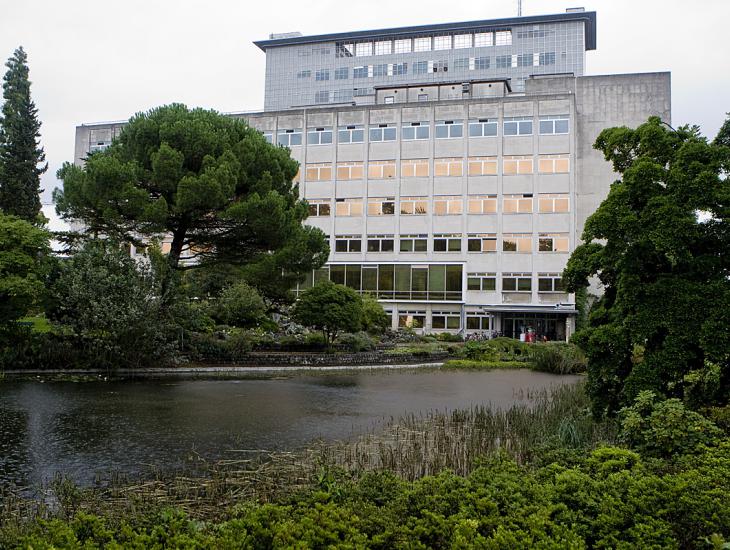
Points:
90	429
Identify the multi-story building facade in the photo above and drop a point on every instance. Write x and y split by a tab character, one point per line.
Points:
454	197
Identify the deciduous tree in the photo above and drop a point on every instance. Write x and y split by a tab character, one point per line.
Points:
659	245
330	308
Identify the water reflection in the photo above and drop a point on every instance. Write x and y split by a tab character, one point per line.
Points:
94	428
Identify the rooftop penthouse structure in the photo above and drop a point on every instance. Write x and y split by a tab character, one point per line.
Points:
455	179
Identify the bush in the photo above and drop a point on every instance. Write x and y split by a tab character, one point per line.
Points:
360	341
485	365
665	428
374	318
449	337
330	308
497	349
239	305
557	358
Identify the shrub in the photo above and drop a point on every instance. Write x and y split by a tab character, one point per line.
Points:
449	337
360	341
665	428
239	305
497	349
374	318
485	365
557	358
330	308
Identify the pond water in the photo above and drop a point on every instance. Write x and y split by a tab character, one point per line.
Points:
89	429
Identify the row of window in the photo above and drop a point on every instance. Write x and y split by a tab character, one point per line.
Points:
424	44
514	282
443	205
442	167
443	129
475	242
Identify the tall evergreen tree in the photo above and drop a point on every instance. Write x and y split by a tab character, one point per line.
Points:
21	156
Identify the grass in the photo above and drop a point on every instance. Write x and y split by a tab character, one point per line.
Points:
411	447
39	323
484	365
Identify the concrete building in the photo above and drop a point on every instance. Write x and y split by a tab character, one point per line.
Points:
455	194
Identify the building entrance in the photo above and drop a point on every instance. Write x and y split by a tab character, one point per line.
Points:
550	325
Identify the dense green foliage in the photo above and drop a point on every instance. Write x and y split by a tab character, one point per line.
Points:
21	156
223	194
374	318
610	498
239	305
330	308
557	358
111	306
659	245
24	251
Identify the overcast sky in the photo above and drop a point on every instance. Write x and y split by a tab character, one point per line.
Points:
93	61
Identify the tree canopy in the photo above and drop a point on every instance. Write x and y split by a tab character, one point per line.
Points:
659	246
211	183
21	156
331	308
23	252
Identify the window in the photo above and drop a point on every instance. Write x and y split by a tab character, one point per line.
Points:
342	96
414	168
268	136
517	164
525	60
477	321
504	61
517	282
554	164
344	50
483	127
384	132
481	63
449	320
484	242
482	204
441	66
342	73
517	242
422	44
462	41
397	69
319	207
482	166
322	96
348	207
420	67
360	72
517	204
449	129
381	169
383	47
287	138
553	242
503	38
381	206
380	243
448	167
441	42
389	99
402	46
447	243
413	243
547	58
484	282
413	206
351	134
364	49
415	130
422	97
411	319
319	172
360	92
518	126
319	136
482	39
447	206
350	171
549	282
304	74
380	70
559	124
558	202
461	64
322	74
348	243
